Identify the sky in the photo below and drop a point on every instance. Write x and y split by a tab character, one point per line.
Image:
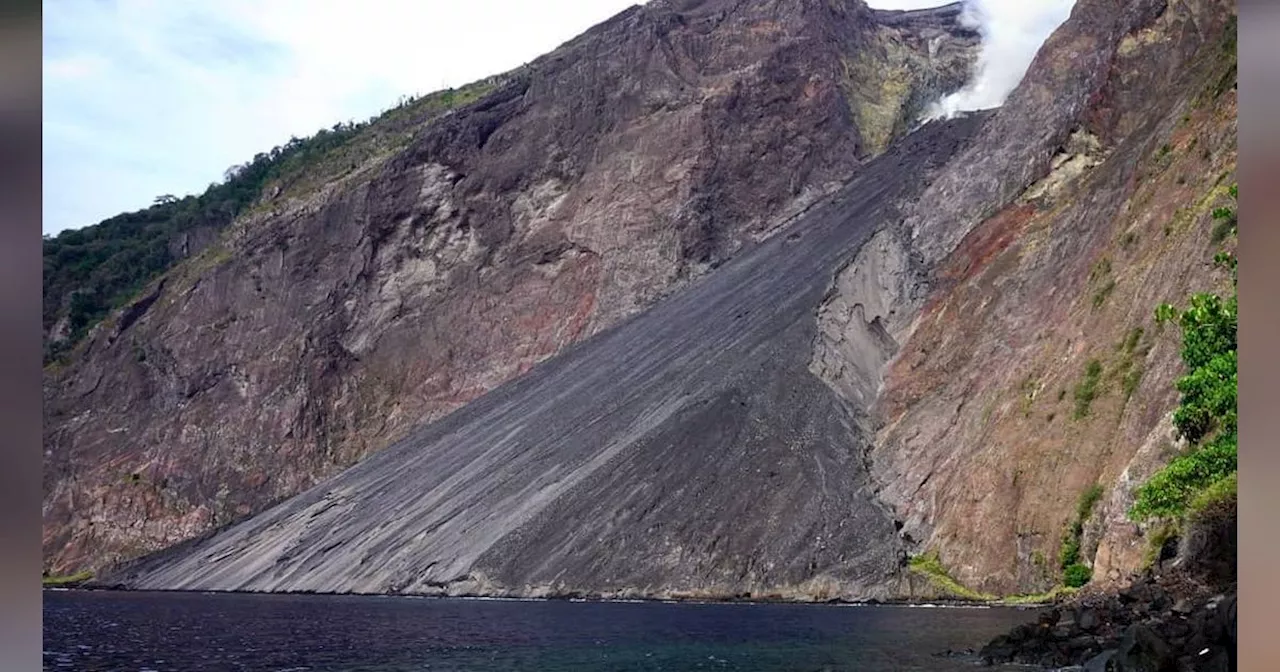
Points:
151	97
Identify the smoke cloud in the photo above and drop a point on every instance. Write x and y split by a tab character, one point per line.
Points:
1012	32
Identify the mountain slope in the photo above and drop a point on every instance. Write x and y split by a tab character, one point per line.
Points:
687	451
386	288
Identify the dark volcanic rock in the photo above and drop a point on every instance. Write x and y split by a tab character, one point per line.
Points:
1142	650
586	186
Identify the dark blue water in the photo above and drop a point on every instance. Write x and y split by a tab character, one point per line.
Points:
189	631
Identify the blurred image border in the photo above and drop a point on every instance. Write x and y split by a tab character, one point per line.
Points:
20	333
1259	503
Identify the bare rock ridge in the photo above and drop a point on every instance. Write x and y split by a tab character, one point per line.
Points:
407	281
688	451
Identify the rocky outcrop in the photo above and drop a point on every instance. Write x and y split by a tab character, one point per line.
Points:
1081	205
583	188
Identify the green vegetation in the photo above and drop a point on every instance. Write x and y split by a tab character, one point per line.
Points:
1076	575
91	271
930	566
1100	270
1101	273
1158	538
1206	416
1030	388
1074	572
1129	369
1052	595
1087	390
1223	491
1104	292
1227	224
88	272
66	580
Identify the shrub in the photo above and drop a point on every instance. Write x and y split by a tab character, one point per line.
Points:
1172	489
1076	575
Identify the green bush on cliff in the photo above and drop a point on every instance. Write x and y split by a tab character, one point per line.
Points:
1207	415
1076	575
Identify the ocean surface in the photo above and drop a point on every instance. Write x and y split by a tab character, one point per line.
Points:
185	632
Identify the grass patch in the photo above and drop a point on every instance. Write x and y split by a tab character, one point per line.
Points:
1130	370
1088	499
1087	390
1100	270
1104	292
1132	379
1101	273
929	565
1052	595
66	579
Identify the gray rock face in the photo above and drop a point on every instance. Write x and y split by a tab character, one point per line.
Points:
688	451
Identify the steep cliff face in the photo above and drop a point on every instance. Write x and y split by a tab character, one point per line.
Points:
397	284
1018	295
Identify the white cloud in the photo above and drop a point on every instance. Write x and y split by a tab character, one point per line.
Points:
1012	33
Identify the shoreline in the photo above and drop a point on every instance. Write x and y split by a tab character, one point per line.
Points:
581	598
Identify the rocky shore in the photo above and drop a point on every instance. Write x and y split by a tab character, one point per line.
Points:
1151	626
1179	616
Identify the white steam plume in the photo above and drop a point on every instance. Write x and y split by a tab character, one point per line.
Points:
1012	32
